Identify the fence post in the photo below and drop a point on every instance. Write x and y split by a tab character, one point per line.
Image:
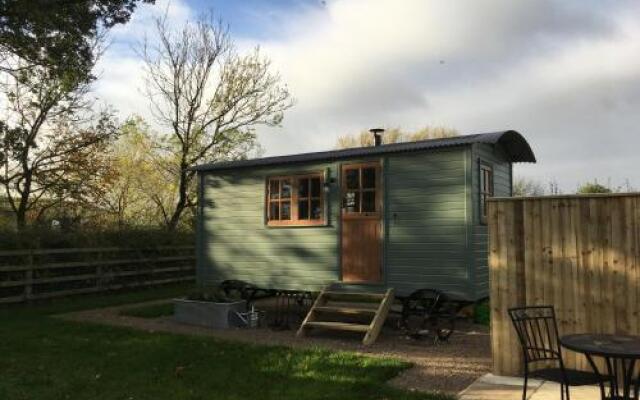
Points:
99	272
154	260
28	277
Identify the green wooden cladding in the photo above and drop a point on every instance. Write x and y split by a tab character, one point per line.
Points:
433	237
236	243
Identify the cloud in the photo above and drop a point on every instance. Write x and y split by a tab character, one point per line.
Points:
564	73
120	70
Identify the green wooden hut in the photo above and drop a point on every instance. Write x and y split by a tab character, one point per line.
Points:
405	215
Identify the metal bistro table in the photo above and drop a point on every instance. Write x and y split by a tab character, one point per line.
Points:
620	354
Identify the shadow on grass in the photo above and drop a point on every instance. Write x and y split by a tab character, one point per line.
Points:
46	358
148	311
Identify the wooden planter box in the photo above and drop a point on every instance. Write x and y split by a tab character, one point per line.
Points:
208	314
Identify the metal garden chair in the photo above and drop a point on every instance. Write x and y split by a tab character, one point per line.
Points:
537	331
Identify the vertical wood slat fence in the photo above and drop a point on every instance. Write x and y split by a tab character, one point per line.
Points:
580	254
45	273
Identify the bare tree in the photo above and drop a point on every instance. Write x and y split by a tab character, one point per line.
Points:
210	97
395	135
47	137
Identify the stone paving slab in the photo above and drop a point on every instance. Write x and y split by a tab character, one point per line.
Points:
491	387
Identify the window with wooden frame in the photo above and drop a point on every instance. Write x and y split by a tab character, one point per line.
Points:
361	189
486	190
295	200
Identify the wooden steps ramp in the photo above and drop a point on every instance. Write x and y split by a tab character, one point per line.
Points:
335	303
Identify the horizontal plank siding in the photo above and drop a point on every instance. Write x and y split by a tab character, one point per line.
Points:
427	231
494	157
425	219
235	243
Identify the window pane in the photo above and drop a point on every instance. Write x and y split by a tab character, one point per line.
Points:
490	182
303	209
303	187
368	178
285	189
315	187
316	210
351	202
486	180
285	210
274	191
368	201
274	215
352	179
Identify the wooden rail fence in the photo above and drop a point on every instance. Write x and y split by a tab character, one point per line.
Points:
580	254
45	273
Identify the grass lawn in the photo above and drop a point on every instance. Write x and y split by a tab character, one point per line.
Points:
45	358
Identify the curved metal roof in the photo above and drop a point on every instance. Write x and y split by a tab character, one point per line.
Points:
513	143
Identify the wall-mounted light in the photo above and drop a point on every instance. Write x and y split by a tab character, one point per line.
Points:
326	186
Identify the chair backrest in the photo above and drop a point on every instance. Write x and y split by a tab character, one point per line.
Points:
537	331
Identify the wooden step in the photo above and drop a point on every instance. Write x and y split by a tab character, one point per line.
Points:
319	315
338	326
346	310
354	295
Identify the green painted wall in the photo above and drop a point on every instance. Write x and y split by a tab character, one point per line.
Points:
426	221
433	236
502	181
234	242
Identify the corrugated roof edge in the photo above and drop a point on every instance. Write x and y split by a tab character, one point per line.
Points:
514	144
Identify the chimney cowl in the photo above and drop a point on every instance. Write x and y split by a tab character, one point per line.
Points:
377	136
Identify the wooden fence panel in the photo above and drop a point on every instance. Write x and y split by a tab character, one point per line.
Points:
41	274
580	254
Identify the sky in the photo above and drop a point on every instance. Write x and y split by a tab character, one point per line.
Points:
565	74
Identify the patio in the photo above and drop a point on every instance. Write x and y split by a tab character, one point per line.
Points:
491	387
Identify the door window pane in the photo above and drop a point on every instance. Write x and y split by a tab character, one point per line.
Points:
352	179
315	187
368	178
303	209
368	201
303	187
274	209
316	210
351	201
285	210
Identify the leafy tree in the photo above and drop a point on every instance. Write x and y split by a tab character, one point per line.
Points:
527	187
210	98
48	138
395	135
593	187
136	190
57	34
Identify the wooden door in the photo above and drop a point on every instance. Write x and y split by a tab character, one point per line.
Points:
361	240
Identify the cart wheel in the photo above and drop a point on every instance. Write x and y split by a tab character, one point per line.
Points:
443	326
428	313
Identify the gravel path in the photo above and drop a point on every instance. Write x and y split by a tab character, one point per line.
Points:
448	367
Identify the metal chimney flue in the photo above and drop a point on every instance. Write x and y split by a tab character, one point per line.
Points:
377	136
